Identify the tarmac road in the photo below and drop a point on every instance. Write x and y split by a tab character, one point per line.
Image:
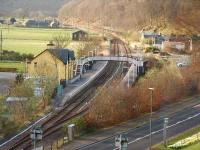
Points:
7	75
139	137
5	80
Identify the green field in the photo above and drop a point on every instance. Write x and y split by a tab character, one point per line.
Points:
20	66
29	40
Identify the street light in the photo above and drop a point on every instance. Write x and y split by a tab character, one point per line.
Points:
191	44
150	121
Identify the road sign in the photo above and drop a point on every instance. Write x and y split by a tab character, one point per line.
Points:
121	142
118	141
36	133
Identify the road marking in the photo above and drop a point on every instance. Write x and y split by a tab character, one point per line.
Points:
197	106
179	122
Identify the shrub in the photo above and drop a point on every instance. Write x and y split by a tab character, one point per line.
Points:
152	49
7	127
19	78
115	104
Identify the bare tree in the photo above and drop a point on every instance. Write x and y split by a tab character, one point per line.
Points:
61	40
23	109
90	45
48	79
80	50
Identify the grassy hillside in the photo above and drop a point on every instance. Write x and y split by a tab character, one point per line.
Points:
30	7
177	15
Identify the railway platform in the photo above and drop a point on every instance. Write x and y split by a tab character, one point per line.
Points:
76	86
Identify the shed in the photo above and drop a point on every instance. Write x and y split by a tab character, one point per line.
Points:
2	21
79	35
54	24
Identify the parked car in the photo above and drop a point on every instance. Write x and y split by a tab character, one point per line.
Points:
182	64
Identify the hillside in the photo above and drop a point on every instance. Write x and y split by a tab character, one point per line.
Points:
177	15
30	7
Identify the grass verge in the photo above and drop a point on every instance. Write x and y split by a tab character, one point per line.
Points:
184	135
20	66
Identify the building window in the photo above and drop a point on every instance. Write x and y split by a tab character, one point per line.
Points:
35	64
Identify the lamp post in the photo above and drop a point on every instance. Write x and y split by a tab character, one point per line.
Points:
191	44
150	121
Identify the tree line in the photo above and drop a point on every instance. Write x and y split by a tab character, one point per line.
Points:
15	56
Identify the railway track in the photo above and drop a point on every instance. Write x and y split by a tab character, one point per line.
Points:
70	110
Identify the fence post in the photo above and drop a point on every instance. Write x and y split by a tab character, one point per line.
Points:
165	131
56	144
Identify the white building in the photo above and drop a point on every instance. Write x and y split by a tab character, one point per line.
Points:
175	45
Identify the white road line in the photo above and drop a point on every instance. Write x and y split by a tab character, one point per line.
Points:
197	106
179	122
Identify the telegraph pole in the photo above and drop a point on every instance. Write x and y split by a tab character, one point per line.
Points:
1	44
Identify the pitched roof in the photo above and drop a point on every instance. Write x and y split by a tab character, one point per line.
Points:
81	31
62	54
149	34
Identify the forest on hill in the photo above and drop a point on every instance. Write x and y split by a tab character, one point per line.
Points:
177	15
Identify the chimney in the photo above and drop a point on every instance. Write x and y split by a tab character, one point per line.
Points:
50	45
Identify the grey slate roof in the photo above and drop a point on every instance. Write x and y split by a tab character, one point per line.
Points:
62	54
79	31
149	34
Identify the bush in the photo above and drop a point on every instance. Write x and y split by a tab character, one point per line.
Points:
152	50
7	127
19	78
8	69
